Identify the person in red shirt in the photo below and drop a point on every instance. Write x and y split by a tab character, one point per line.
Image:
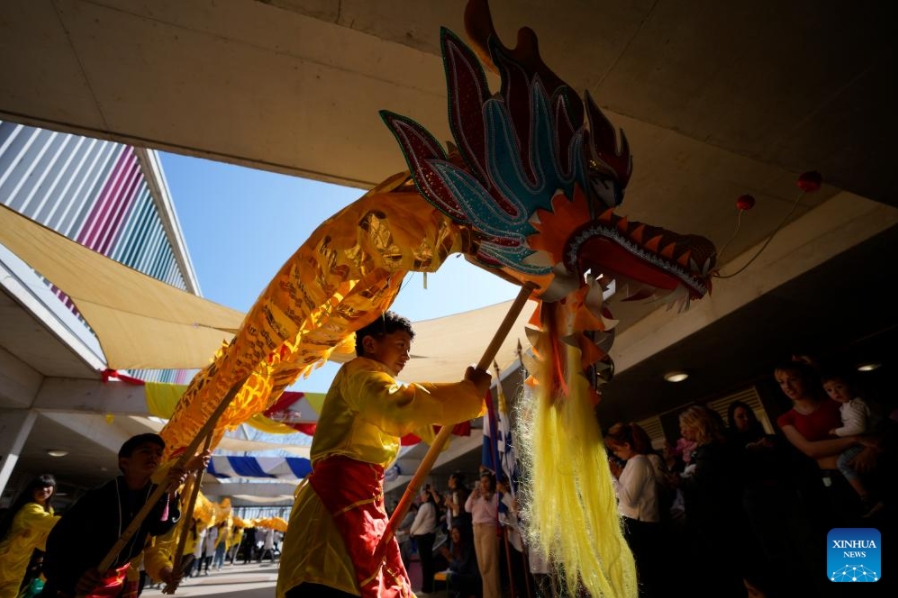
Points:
812	416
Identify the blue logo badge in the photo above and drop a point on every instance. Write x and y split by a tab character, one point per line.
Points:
854	554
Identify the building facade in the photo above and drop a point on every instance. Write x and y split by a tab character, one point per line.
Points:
109	197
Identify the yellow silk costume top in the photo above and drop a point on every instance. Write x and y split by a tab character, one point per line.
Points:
159	551
364	415
29	530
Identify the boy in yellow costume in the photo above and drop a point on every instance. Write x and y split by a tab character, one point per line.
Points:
338	518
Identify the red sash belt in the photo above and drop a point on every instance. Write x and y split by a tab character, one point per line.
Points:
352	492
110	586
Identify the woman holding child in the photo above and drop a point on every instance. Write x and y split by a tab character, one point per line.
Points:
810	427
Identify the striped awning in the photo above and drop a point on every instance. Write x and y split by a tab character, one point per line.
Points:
281	468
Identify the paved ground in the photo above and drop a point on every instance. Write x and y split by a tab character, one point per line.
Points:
256	580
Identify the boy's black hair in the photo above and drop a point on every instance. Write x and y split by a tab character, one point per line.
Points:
135	441
388	323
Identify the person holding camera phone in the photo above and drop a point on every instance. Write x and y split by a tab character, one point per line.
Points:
483	505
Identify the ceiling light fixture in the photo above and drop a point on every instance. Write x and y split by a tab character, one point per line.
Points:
868	367
57	453
675	376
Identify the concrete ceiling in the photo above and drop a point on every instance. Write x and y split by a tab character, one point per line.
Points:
717	99
295	85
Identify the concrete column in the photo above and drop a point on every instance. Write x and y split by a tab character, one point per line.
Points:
15	426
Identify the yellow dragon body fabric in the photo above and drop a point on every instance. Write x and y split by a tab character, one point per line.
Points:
528	192
346	275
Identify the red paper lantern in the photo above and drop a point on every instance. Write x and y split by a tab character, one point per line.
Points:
745	202
810	181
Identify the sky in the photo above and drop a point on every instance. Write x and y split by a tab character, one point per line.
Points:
240	226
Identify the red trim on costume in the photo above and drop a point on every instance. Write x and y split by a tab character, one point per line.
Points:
112	583
360	517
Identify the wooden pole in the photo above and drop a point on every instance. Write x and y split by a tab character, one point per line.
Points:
178	557
494	450
508	560
446	431
161	489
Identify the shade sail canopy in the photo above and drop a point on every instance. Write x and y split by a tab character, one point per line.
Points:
141	322
444	347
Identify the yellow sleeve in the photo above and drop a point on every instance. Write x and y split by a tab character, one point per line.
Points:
35	520
402	409
160	550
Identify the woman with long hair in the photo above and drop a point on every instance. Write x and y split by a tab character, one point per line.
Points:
423	530
463	575
636	487
23	529
769	496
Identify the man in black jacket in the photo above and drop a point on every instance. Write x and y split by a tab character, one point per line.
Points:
92	526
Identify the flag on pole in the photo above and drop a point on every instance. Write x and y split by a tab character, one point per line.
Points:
498	443
508	456
489	455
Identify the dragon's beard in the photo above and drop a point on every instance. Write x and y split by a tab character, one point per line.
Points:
571	503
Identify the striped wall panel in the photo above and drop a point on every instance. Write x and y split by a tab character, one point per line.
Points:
652	427
94	192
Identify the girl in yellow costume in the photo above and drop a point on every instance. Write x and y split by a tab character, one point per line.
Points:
338	519
24	529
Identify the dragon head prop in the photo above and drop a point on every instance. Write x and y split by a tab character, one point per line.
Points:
535	173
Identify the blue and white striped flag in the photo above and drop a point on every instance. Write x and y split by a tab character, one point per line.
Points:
497	425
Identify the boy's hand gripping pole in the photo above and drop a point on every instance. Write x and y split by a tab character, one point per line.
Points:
186	518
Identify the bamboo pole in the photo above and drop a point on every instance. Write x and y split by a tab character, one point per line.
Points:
185	529
494	450
161	489
446	431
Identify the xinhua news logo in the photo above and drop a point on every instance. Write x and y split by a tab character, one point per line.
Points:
854	554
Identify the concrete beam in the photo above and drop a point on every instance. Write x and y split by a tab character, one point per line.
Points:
18	382
87	396
834	227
